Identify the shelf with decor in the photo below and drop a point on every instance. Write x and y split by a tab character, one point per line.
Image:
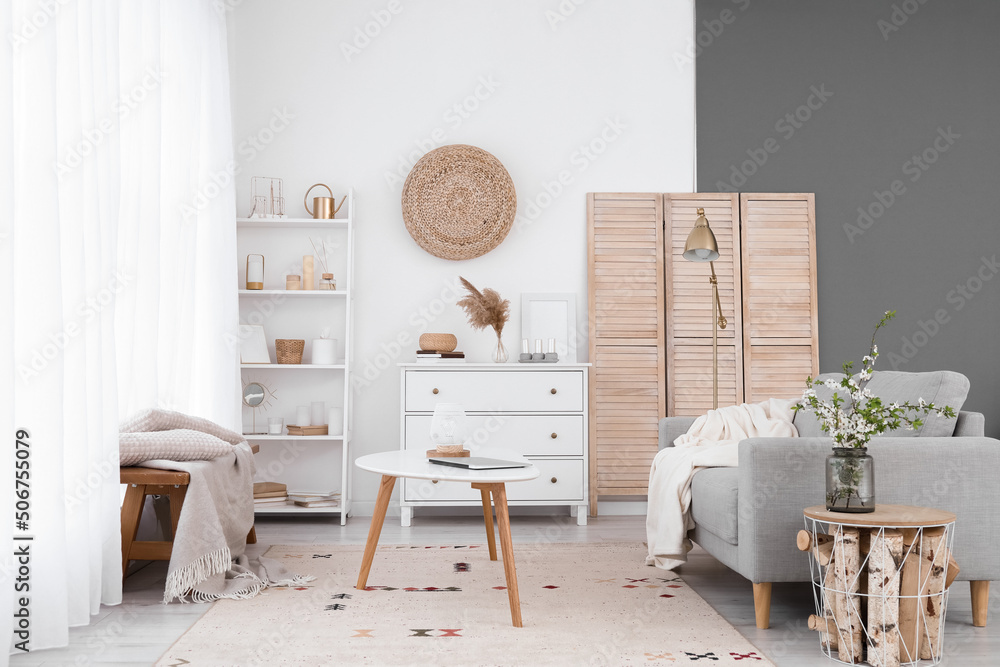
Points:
281	331
292	367
301	223
296	509
294	294
314	438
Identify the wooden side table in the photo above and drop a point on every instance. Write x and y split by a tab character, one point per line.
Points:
880	582
414	465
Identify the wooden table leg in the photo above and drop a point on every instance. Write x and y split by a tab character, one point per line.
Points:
378	518
484	490
131	510
176	496
507	548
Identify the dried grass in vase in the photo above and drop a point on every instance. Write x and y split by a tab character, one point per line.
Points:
486	309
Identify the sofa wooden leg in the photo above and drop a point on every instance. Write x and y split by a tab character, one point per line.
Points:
980	602
762	604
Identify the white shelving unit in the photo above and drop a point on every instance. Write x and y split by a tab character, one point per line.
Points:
303	463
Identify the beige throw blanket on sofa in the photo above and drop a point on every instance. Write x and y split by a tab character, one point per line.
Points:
712	441
207	561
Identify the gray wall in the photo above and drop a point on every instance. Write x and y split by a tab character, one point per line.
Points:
905	96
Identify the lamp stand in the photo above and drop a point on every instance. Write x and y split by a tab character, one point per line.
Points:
718	322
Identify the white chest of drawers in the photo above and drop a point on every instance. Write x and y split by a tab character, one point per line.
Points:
537	410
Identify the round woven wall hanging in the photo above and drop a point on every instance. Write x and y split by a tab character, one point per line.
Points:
458	202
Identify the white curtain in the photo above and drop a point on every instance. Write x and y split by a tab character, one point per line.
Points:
117	270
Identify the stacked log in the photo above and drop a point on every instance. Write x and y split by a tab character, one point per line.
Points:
885	557
821	549
908	573
847	610
934	556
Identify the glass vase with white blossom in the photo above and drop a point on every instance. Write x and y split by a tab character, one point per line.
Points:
852	416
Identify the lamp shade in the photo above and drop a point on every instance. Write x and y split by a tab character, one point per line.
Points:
449	425
701	245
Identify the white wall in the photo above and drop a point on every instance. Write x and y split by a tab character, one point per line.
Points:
534	83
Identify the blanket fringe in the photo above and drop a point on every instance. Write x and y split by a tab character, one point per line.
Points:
182	580
244	594
296	580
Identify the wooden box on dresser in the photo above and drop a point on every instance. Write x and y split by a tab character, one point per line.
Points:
538	410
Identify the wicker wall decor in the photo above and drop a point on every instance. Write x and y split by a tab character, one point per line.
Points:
458	202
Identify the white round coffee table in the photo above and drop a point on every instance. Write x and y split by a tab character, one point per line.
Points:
414	464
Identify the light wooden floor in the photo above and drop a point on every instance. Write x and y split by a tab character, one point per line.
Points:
141	629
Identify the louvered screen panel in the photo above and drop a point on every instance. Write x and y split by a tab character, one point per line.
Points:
779	282
689	318
626	271
626	388
779	371
691	375
626	340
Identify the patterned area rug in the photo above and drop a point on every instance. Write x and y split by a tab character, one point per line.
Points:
582	604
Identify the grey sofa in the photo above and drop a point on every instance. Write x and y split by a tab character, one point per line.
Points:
747	517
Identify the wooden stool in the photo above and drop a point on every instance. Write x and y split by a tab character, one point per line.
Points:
148	482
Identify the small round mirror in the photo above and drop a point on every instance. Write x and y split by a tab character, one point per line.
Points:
253	394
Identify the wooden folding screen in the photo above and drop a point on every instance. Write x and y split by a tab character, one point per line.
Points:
626	340
651	317
689	305
781	339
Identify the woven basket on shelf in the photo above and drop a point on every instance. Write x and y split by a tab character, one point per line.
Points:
289	351
458	202
438	342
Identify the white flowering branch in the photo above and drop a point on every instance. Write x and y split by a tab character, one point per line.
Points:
867	415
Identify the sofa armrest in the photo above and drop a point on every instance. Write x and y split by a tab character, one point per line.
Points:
779	477
673	427
970	424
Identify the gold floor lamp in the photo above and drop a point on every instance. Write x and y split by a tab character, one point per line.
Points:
702	247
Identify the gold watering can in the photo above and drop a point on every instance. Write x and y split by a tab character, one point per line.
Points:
323	207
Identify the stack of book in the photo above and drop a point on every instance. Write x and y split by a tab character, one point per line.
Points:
269	494
435	357
315	498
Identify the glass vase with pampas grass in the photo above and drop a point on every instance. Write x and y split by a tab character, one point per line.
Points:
487	309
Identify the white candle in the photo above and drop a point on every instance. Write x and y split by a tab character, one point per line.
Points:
318	413
336	419
255	272
302	416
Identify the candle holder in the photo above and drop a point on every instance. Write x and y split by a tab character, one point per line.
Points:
449	430
255	272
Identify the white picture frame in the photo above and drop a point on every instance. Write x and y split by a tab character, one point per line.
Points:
253	345
546	315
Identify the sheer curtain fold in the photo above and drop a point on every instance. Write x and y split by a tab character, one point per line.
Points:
114	118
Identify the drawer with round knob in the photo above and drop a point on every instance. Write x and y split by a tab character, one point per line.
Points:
560	479
500	391
530	435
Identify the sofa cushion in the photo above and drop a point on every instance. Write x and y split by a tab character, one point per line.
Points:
714	500
938	387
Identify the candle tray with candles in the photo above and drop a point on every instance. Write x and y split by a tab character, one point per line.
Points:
538	357
547	358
